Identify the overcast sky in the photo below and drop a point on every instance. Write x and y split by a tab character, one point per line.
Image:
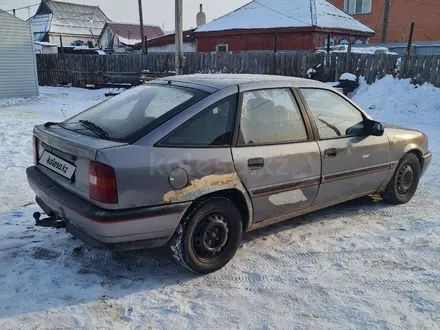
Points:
156	12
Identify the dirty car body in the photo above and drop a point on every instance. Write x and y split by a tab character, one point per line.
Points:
275	147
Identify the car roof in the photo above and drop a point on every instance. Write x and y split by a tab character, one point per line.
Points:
224	80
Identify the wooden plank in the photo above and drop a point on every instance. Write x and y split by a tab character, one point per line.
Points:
437	81
392	62
382	66
303	65
434	68
333	62
411	66
288	69
293	65
427	66
374	70
310	62
419	69
368	66
340	58
360	71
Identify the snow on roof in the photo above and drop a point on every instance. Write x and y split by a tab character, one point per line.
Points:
43	43
129	42
267	14
131	33
68	18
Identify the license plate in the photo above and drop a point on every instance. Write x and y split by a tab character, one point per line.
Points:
57	165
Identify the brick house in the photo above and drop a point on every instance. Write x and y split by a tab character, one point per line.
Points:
424	13
166	43
280	25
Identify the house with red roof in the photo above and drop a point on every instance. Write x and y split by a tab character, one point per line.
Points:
281	25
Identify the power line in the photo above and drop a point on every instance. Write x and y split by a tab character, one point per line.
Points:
26	7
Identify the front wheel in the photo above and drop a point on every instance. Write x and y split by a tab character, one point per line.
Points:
209	236
404	183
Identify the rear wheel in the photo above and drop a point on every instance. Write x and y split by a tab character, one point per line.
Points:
209	236
404	182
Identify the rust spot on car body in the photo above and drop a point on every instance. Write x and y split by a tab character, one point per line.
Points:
202	186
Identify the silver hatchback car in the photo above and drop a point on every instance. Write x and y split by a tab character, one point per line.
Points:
194	161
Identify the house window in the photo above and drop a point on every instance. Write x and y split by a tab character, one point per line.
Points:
357	6
221	48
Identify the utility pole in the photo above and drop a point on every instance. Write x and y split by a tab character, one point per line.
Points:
141	21
61	47
386	14
178	38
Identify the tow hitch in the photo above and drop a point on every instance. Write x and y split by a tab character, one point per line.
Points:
53	221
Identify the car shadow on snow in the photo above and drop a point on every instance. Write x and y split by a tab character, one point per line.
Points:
75	273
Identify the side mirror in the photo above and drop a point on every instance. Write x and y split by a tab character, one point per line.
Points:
374	128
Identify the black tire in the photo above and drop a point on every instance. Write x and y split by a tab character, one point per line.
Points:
404	183
211	219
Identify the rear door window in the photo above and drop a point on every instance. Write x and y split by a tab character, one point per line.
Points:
136	111
270	116
211	127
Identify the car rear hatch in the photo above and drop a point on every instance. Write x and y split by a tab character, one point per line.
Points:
65	155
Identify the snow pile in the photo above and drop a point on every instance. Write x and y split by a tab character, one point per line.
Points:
348	76
399	101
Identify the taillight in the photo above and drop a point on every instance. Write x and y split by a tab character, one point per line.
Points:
36	153
102	183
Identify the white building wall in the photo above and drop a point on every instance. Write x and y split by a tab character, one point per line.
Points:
18	72
188	47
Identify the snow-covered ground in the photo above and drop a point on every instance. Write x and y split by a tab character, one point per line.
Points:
17	119
360	265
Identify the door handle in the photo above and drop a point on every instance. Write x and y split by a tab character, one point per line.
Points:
330	153
255	163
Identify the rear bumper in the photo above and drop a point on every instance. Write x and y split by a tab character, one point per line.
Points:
106	229
426	161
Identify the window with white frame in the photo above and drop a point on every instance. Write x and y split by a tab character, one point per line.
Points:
222	48
357	6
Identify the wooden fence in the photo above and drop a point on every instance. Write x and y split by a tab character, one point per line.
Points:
80	70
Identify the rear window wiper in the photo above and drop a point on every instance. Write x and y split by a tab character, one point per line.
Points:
95	129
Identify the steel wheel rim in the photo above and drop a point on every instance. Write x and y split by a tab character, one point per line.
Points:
405	179
211	236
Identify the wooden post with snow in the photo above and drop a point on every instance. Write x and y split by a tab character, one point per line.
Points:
348	58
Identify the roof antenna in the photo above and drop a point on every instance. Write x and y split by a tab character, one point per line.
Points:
63	114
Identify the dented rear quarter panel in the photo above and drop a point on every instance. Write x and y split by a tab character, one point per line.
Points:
144	181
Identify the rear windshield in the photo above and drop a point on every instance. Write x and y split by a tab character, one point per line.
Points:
133	113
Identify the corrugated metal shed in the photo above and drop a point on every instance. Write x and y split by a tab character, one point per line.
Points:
18	72
54	18
270	14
